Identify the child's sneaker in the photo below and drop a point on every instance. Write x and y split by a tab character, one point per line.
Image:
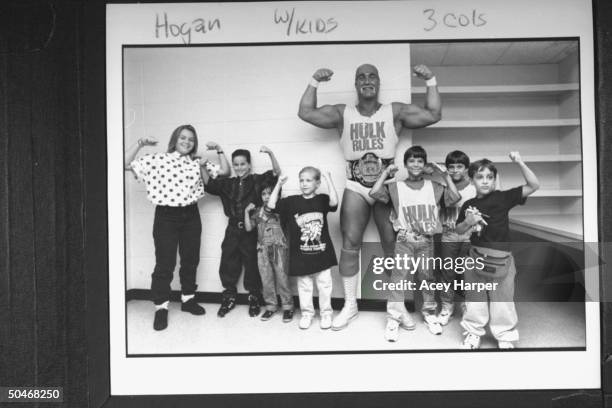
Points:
305	321
287	316
227	304
505	345
254	308
471	341
407	322
267	315
431	320
326	321
444	316
392	330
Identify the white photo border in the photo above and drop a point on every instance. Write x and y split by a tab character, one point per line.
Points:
131	25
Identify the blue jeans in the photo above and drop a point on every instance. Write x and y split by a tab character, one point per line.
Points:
175	227
272	262
452	250
395	304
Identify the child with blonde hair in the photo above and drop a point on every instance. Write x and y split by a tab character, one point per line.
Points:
311	252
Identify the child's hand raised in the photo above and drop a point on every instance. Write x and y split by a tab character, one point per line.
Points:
265	149
438	167
428	169
249	208
212	145
147	141
392	169
326	174
515	157
283	179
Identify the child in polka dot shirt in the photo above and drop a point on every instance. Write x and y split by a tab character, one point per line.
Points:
174	184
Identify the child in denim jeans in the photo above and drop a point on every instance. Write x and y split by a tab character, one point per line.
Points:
454	245
271	256
416	203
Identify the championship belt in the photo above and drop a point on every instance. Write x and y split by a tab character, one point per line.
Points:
366	170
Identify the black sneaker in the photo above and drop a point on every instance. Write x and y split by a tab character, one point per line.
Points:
161	319
267	315
287	316
192	307
227	304
254	308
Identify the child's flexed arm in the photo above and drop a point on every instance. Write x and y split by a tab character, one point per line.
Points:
274	195
130	153
333	195
275	166
532	180
248	225
224	169
378	191
451	195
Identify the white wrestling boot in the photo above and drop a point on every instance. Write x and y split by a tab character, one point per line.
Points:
349	311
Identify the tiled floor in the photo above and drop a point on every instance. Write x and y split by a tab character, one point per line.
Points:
541	325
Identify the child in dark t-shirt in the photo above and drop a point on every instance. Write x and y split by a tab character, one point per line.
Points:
311	252
239	246
486	215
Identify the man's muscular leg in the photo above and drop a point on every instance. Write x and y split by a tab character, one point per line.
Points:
354	217
385	228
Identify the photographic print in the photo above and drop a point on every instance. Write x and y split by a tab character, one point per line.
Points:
319	190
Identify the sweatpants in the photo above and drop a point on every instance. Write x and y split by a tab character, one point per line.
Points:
495	307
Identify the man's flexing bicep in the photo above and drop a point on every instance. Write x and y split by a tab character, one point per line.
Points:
413	116
326	116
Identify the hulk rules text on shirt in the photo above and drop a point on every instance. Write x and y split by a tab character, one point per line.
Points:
367	136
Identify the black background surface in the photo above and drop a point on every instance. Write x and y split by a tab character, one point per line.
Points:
53	222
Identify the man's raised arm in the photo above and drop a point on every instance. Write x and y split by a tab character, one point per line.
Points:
413	116
326	116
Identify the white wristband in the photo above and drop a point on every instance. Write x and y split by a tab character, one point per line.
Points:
314	83
431	81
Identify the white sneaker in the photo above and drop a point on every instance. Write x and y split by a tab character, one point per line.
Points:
471	341
431	320
505	345
444	317
326	321
392	330
346	315
407	322
305	321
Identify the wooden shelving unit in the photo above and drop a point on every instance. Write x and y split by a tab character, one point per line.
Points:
509	123
502	90
540	120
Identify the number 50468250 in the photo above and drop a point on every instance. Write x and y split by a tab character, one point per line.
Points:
43	394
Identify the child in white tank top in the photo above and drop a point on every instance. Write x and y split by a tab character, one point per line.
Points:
416	205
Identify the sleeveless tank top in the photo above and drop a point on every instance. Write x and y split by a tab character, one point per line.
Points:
417	210
368	134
